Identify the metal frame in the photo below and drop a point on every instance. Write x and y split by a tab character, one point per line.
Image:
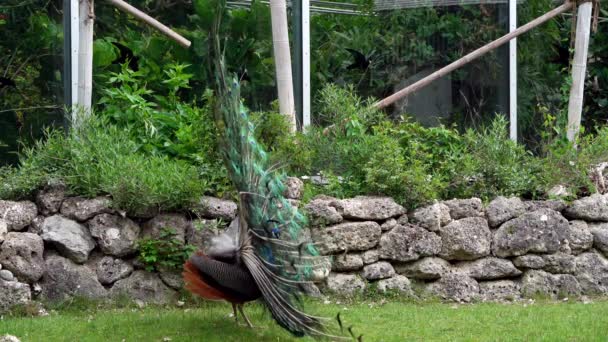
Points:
513	71
301	61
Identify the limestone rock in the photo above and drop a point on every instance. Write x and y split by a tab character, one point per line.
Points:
488	268
461	208
9	338
370	257
21	253
347	262
557	205
540	231
407	243
502	209
215	208
559	263
64	279
109	270
455	287
536	282
49	200
13	294
592	273
500	290
579	236
82	209
115	235
379	270
6	275
388	225
432	217
529	261
176	222
402	220
322	211
294	187
36	225
3	230
559	191
430	268
172	278
369	208
345	284
200	232
600	236
592	208
352	236
145	286
17	215
466	239
397	283
71	239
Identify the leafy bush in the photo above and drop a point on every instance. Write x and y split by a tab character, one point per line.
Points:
499	166
159	123
361	152
165	252
101	158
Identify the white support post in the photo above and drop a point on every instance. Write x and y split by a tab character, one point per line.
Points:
579	67
282	60
513	71
74	40
305	64
85	55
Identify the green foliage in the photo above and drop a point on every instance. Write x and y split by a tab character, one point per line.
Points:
161	124
360	152
165	252
499	167
101	158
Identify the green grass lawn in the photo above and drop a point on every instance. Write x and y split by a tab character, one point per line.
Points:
392	321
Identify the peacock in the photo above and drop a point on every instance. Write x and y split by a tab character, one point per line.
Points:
267	255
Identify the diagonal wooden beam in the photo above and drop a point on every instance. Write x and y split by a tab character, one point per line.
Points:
122	5
474	55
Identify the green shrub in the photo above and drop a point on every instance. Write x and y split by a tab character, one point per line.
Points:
165	252
159	123
100	158
499	166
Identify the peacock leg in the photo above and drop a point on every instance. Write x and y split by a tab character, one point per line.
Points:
236	318
240	306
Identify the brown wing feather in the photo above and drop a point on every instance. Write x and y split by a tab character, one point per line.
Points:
196	285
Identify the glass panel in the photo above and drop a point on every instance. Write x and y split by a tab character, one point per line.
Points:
31	64
380	52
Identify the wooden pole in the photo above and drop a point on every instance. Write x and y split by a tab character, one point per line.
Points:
282	60
305	64
74	42
473	55
152	22
513	72
579	67
85	55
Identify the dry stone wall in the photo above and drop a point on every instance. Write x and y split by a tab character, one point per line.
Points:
462	250
56	247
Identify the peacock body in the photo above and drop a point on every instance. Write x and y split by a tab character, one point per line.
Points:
267	256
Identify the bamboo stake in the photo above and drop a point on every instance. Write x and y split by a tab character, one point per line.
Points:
85	55
152	22
282	60
579	67
473	55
